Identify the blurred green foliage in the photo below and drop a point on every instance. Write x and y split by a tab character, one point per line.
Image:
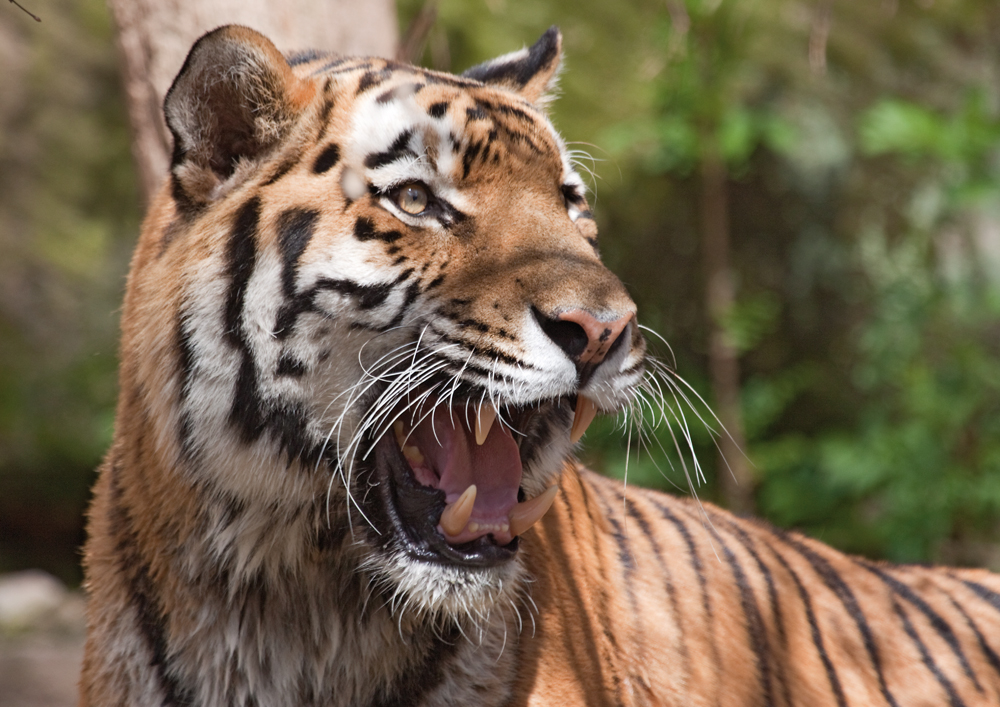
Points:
863	146
68	216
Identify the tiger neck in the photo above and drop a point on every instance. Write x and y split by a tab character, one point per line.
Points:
246	597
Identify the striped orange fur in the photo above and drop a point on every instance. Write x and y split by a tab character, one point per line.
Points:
365	325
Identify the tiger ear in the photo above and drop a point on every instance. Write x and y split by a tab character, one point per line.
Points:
234	100
533	72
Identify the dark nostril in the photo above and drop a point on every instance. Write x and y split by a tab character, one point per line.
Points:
567	335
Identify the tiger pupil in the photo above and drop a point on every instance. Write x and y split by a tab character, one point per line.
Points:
413	199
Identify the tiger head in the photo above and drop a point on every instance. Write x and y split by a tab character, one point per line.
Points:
393	322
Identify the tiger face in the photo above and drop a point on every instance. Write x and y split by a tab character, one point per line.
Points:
390	299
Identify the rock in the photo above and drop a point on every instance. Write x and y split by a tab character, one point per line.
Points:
41	641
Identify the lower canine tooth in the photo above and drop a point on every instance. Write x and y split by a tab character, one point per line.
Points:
524	515
457	514
486	415
585	412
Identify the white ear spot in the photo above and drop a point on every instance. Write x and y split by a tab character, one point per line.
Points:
352	183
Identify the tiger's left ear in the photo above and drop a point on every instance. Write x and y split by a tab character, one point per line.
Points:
533	72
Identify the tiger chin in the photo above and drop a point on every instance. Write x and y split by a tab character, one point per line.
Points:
366	324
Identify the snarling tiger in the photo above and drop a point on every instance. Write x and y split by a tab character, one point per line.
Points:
365	325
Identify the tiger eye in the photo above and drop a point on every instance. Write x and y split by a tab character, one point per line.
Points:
413	198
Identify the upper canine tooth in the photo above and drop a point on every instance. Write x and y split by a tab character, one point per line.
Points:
585	412
486	415
524	515
397	428
413	454
456	515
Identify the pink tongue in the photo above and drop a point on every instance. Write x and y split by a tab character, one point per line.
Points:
450	450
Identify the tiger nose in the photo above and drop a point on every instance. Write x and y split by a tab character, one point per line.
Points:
583	337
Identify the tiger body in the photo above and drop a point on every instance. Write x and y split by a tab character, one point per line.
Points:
351	261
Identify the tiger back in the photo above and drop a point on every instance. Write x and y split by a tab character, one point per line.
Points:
365	325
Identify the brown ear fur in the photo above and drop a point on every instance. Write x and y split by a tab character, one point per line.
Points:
234	99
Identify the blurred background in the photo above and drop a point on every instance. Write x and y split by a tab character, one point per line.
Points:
803	197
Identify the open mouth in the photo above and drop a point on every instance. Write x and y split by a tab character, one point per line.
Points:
450	476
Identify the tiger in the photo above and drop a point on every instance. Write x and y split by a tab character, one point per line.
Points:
366	326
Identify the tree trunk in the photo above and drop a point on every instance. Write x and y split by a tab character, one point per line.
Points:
154	37
734	470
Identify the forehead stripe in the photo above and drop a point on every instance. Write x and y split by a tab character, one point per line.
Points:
397	151
327	159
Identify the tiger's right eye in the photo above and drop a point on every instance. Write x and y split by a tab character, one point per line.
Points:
413	198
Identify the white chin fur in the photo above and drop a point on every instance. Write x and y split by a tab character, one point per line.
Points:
430	590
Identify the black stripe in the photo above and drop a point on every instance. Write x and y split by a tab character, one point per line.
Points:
142	594
412	291
333	64
245	413
836	584
747	542
522	138
305	56
364	230
410	89
633	512
295	230
368	296
240	259
953	699
327	159
754	619
290	366
471	152
186	365
250	414
585	656
485	350
437	110
479	326
288	314
449	80
610	650
475	113
508	110
692	551
288	423
371	79
817	636
397	150
939	625
984	593
984	646
624	551
247	410
423	676
324	114
283	169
